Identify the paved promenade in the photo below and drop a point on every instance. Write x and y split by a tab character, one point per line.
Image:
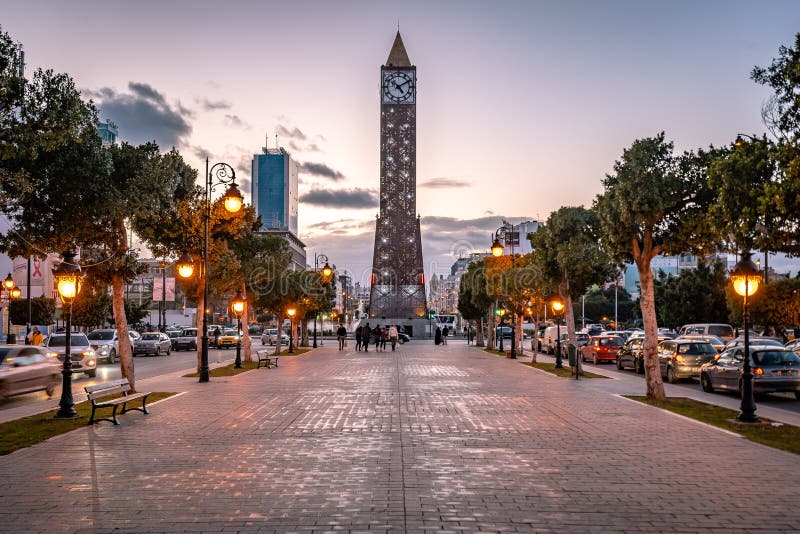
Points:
425	439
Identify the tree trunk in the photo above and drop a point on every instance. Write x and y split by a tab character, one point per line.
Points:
655	386
479	334
491	334
569	317
304	330
121	322
247	353
518	333
279	333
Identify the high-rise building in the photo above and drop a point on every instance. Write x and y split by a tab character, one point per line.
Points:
274	189
398	281
108	132
274	195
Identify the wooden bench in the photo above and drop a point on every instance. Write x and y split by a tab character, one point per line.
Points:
267	358
98	393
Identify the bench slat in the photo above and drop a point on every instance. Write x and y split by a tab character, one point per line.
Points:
105	385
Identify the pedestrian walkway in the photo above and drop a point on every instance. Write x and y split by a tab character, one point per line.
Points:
424	439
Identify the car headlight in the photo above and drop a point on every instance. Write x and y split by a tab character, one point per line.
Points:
90	363
88	352
52	354
103	351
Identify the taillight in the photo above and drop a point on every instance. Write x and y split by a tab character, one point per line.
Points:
758	371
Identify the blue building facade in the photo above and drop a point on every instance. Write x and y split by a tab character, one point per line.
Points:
274	189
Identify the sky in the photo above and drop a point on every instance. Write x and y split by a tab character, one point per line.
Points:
522	106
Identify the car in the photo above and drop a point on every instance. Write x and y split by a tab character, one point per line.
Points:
402	337
775	369
716	342
155	343
228	339
721	330
630	355
581	339
270	336
624	334
678	359
601	349
81	353
794	345
105	343
27	368
187	339
173	337
754	340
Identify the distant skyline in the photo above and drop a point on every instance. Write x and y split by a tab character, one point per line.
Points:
523	106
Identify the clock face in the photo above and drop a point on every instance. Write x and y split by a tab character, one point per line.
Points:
398	87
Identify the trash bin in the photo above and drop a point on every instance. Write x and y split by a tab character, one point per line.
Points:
572	351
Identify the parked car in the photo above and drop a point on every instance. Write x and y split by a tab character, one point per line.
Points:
26	368
550	339
228	339
186	340
630	355
624	334
722	331
81	353
794	345
402	337
155	343
601	349
775	369
679	359
716	342
270	337
173	337
105	343
581	339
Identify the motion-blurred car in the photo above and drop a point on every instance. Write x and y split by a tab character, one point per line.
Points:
25	368
775	369
81	353
270	337
679	359
601	349
228	339
155	343
402	337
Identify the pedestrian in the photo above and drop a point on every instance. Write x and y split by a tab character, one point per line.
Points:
35	337
445	333
341	335
469	335
376	337
384	337
393	336
437	339
217	333
358	338
365	337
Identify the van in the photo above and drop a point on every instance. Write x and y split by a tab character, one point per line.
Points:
722	331
550	339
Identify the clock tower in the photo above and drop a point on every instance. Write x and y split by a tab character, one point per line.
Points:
397	292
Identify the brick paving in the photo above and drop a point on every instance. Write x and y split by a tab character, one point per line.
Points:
425	439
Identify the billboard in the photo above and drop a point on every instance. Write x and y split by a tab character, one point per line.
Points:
170	289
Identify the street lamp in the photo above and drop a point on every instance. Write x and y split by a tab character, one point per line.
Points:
12	292
558	307
501	312
68	281
745	278
291	313
237	306
508	236
232	200
326	274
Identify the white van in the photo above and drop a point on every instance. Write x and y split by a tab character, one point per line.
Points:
550	339
722	331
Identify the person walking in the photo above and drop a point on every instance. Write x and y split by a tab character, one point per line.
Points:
365	337
393	336
358	338
445	333
217	333
384	337
341	335
437	338
35	337
376	337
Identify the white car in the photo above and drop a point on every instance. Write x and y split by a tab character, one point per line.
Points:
81	353
105	343
270	336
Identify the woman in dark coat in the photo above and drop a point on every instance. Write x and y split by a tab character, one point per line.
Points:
438	338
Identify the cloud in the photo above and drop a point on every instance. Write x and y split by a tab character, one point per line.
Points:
320	169
345	198
143	114
445	182
236	122
209	105
200	152
294	133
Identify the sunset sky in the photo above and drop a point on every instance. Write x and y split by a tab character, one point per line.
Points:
522	106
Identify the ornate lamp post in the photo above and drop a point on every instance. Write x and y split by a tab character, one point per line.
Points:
745	278
291	313
558	307
68	281
326	274
12	292
220	174
237	307
507	235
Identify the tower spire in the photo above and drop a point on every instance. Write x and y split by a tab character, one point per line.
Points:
398	57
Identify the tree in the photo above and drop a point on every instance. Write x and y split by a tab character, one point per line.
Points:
42	311
694	296
776	303
599	303
568	253
473	301
91	308
136	311
653	203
